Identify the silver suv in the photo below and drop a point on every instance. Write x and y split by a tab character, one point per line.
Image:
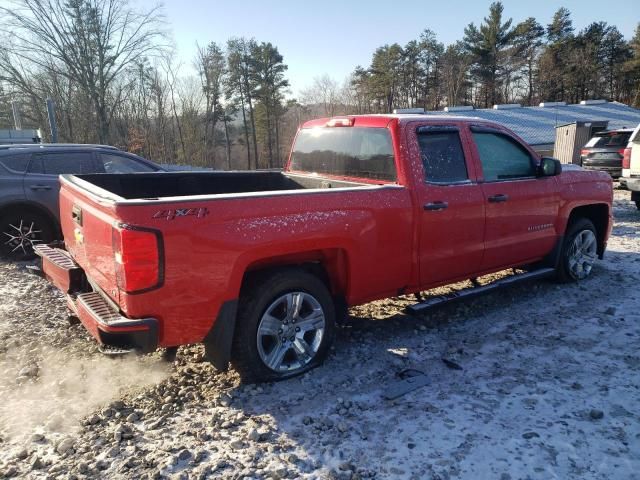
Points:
29	211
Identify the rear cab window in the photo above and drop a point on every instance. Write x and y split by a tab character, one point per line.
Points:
354	152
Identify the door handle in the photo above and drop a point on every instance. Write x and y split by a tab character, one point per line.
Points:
40	187
436	206
501	197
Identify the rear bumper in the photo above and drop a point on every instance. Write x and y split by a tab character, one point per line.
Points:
99	317
614	171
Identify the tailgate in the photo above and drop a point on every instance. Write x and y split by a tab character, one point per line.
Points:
87	228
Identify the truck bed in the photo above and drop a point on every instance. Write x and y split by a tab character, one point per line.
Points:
181	184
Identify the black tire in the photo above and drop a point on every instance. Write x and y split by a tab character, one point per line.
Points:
263	292
638	204
16	242
576	227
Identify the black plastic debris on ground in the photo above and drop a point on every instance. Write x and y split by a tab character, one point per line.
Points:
410	380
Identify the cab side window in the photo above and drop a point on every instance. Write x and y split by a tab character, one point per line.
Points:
59	163
502	157
442	155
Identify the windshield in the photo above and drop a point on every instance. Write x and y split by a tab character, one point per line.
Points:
361	152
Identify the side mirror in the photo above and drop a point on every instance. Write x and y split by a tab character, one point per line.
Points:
549	167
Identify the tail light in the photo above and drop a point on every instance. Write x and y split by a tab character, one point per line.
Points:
138	258
626	158
584	153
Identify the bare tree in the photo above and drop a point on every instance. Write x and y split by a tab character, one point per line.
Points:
211	65
324	91
91	42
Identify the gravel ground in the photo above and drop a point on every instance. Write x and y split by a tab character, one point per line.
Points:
541	381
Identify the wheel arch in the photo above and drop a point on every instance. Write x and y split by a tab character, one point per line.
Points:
598	214
331	265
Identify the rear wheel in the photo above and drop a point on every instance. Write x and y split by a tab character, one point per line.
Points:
20	231
285	326
579	251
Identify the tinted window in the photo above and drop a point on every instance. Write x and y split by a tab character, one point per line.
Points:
17	163
442	156
345	151
502	157
610	140
119	164
62	162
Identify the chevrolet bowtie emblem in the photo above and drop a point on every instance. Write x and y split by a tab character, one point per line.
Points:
77	233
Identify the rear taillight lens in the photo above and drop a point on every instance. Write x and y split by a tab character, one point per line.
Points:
584	153
626	158
138	258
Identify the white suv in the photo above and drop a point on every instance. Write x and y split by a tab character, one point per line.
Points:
631	167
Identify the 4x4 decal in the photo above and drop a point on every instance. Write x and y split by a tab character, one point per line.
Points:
198	212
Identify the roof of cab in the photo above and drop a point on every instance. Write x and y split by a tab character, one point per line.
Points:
383	119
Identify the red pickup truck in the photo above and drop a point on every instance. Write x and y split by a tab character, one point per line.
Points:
258	265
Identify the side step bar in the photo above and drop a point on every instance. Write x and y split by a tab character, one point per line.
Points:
475	291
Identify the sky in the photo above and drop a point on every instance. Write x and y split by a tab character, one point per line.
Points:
333	37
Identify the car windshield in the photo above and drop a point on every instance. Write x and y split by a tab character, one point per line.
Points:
613	139
360	152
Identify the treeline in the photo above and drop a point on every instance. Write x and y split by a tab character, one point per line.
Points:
114	78
496	62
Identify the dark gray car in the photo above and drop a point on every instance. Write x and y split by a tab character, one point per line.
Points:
29	210
605	150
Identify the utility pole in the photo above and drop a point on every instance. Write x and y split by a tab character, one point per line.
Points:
51	111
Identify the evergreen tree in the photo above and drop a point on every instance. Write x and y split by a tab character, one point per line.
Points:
489	47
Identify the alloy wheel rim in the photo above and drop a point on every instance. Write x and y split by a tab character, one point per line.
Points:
582	254
21	237
290	332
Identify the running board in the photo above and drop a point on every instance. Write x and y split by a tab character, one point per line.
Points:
475	291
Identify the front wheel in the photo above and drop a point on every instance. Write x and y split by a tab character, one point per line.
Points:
579	251
285	326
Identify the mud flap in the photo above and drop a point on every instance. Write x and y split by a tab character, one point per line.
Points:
218	341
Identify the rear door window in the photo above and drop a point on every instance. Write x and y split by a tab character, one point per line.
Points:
17	163
502	157
362	152
59	163
442	155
